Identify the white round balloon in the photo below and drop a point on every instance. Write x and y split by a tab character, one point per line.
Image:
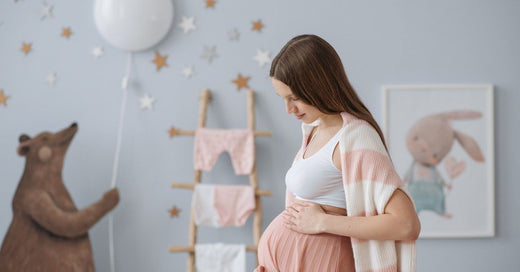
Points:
133	25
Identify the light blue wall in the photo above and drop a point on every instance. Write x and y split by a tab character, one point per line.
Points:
380	42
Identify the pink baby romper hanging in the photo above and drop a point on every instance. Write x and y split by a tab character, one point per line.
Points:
239	143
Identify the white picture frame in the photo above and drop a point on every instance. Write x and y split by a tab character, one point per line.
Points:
426	114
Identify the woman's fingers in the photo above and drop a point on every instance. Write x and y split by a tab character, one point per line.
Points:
292	208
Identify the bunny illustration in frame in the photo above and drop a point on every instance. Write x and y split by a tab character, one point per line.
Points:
440	138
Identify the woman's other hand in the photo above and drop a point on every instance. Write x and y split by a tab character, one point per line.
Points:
304	217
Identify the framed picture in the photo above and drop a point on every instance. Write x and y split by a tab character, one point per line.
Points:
440	139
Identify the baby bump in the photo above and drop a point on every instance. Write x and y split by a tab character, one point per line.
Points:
281	249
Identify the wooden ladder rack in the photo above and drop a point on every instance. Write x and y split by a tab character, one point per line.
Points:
253	180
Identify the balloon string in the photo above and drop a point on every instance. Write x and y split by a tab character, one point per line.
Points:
124	86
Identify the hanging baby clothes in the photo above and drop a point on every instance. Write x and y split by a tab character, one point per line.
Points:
222	205
220	257
202	206
239	143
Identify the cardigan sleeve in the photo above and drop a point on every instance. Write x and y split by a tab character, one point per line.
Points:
369	177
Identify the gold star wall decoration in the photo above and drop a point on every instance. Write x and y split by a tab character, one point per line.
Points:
3	98
257	26
160	61
174	212
66	32
241	82
172	132
26	48
210	3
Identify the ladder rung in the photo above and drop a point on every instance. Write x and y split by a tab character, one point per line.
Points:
183	132
191	186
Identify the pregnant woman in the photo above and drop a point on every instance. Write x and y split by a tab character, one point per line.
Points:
345	206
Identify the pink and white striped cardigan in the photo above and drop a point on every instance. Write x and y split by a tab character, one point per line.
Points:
369	180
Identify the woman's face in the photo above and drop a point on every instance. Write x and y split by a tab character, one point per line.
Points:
294	105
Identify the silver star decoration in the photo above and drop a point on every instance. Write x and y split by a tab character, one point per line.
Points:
97	52
209	53
262	57
45	11
187	24
51	79
146	102
233	34
188	72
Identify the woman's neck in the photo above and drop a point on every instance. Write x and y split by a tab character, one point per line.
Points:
330	120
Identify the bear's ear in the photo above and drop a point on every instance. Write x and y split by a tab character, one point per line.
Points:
23	149
23	138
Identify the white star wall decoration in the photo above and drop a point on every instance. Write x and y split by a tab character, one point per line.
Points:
233	35
147	102
262	57
188	72
45	11
51	79
97	52
209	53
187	24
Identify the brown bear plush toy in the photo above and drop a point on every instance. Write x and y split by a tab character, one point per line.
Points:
48	233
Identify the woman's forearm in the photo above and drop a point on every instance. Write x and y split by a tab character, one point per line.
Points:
399	221
378	227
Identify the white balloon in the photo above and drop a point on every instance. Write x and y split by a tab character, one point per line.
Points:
133	25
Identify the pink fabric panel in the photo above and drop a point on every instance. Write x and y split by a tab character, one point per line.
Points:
234	204
239	143
369	165
284	250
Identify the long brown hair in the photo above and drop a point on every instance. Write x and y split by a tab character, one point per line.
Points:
313	70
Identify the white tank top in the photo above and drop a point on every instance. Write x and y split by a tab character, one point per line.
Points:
316	178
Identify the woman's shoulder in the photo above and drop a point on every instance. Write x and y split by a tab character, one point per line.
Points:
358	134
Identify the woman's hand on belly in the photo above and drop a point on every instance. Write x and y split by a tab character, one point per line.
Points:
304	217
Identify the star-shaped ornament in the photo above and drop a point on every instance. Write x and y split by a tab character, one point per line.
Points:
172	132
160	61
146	102
233	35
26	48
187	71
97	52
210	3
262	57
187	24
174	212
45	11
51	79
3	98
66	32
209	53
257	26
241	82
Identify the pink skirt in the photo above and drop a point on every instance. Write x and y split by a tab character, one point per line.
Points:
284	250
